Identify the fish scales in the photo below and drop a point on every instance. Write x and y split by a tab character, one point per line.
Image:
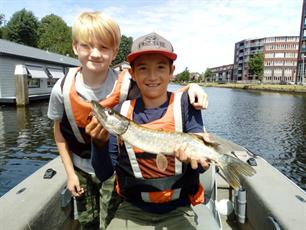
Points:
166	142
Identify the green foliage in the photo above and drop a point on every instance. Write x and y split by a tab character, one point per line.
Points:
54	35
256	65
2	21
183	76
207	74
22	28
124	49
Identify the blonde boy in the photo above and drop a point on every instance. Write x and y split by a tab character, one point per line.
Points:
96	39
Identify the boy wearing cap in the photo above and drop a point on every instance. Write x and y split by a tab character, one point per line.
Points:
156	191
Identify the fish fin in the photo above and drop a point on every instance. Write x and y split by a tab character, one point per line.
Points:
232	168
208	143
161	162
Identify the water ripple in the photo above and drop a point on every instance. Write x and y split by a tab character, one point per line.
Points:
271	125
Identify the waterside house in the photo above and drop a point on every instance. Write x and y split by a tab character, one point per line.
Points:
41	67
121	66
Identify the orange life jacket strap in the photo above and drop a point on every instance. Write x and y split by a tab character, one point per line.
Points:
197	198
69	81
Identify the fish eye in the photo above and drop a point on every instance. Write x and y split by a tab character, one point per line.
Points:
110	112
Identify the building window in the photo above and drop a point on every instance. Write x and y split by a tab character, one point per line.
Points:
278	72
267	72
54	74
269	55
33	83
288	72
279	55
35	73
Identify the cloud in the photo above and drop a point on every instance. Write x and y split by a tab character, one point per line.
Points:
203	33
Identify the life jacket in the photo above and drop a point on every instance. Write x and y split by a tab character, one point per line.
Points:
138	177
77	110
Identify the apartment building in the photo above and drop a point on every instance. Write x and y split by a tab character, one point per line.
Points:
222	73
243	50
280	58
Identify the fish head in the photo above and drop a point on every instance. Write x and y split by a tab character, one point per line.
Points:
111	120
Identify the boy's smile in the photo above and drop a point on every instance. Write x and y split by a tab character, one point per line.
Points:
152	73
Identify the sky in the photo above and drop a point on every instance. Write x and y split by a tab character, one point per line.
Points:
202	32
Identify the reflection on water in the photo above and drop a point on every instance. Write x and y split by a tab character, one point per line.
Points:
26	142
272	125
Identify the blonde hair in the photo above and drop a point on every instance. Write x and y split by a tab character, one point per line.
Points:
90	27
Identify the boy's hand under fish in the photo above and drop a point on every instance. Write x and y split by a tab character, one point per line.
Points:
181	155
96	131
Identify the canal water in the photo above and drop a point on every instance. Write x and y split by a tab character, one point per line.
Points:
272	125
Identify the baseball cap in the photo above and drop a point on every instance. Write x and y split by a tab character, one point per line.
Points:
151	43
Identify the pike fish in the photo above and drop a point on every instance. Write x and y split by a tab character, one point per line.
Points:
165	142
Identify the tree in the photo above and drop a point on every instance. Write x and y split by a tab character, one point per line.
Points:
124	49
22	28
183	76
2	21
207	74
256	65
55	35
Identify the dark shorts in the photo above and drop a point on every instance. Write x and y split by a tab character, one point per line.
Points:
88	207
109	202
130	217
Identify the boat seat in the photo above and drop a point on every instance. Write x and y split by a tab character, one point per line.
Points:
206	219
208	216
208	180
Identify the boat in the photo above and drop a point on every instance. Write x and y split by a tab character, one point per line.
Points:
267	200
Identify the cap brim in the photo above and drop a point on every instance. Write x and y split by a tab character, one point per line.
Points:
132	56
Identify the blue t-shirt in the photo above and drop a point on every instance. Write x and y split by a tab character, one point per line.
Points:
192	123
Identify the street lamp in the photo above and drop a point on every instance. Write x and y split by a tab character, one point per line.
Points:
303	71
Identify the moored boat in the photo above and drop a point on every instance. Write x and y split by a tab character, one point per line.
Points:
267	200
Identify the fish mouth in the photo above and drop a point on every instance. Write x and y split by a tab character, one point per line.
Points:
98	109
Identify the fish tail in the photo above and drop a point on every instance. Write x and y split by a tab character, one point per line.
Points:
232	168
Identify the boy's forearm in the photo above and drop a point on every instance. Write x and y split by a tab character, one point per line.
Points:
197	97
183	88
66	158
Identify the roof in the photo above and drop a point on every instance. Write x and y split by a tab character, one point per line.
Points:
121	64
15	49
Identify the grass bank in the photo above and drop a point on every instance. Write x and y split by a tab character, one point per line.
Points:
263	87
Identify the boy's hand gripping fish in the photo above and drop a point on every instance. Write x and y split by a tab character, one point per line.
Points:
155	141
